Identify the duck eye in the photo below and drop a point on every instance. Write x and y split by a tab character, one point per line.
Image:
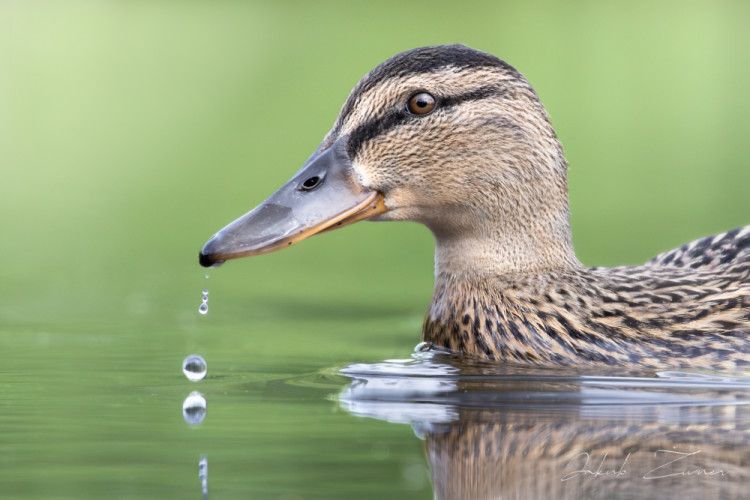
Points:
421	103
310	183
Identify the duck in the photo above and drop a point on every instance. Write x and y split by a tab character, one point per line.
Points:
458	140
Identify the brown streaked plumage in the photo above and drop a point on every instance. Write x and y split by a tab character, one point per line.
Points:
653	315
484	171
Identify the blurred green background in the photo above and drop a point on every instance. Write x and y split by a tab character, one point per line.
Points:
131	131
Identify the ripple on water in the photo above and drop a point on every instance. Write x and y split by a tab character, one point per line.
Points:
433	386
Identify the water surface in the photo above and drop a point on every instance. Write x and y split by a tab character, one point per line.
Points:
110	424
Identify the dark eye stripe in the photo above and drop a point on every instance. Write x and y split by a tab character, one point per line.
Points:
426	60
381	125
474	95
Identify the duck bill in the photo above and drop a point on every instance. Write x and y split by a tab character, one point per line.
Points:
323	195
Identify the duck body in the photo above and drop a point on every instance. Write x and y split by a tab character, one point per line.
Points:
458	140
688	307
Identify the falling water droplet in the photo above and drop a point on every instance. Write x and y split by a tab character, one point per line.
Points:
203	309
194	408
194	367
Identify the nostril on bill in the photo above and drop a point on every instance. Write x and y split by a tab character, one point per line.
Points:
310	183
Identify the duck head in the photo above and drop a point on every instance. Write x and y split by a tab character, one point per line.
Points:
447	136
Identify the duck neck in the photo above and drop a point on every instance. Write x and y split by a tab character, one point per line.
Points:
495	248
485	290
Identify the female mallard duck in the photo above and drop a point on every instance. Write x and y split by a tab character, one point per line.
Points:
458	140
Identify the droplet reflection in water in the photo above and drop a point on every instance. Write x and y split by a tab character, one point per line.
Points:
194	408
194	367
203	475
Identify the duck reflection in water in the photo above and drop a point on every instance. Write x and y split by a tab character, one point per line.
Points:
493	432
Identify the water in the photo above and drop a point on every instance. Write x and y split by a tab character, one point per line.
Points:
194	367
494	431
126	424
